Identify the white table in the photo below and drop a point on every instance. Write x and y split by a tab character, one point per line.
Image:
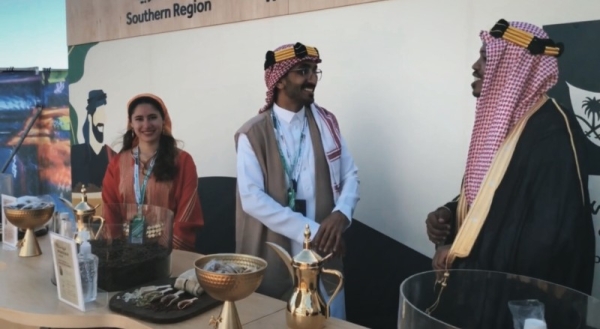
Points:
28	298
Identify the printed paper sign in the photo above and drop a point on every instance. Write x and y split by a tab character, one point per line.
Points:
66	267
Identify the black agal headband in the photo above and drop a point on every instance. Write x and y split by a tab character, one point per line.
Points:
298	51
535	45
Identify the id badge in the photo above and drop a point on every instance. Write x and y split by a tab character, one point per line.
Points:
137	230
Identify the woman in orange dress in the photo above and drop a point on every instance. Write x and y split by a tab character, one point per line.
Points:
166	175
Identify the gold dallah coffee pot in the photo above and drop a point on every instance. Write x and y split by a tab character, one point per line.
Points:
306	308
85	214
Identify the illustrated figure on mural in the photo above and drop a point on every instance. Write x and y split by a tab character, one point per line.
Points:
90	154
90	159
579	86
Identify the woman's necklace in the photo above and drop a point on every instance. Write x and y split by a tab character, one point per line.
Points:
144	163
144	167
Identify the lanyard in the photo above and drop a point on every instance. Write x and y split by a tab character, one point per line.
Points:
289	170
140	193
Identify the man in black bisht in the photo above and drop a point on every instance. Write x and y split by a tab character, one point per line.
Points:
524	206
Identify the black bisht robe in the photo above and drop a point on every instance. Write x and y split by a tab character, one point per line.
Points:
539	224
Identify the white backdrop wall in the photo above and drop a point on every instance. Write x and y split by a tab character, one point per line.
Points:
396	73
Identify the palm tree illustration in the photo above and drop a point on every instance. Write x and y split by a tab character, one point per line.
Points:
592	108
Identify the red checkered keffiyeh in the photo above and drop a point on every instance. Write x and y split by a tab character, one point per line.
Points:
514	81
326	121
274	73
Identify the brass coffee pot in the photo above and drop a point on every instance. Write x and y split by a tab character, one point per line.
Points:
85	214
306	308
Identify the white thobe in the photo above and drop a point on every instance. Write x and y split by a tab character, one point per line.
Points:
281	219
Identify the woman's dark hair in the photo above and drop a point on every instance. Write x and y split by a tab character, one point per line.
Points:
164	167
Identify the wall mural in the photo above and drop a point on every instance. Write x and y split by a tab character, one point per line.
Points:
89	153
579	87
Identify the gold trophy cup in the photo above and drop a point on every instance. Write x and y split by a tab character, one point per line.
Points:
29	219
229	287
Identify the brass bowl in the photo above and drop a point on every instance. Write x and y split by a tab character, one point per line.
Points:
224	286
229	287
29	219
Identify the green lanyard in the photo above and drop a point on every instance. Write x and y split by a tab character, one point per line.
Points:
289	170
136	229
140	194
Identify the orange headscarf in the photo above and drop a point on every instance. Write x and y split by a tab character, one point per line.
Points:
167	119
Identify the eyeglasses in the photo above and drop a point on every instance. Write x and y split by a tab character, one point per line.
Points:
307	73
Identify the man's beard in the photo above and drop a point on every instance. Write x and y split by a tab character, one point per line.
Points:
98	135
297	95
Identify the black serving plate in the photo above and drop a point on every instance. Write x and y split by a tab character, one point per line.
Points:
162	315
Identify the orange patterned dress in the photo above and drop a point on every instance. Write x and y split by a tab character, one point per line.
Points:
179	195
